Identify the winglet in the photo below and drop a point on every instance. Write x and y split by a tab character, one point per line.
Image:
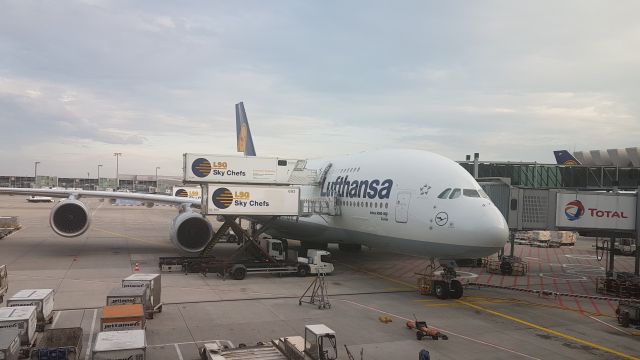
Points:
564	157
243	133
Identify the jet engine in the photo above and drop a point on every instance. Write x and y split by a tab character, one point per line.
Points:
191	231
69	218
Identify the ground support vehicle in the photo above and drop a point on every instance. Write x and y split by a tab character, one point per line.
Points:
620	284
423	331
59	344
628	313
442	284
507	265
625	246
4	283
42	299
272	258
319	343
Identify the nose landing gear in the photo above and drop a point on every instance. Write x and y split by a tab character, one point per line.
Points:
443	284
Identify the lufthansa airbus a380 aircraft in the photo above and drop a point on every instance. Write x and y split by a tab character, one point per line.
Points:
407	201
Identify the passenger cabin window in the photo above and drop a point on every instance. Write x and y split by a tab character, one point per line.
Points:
471	193
455	193
444	194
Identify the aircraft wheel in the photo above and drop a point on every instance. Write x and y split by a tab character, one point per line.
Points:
455	290
441	289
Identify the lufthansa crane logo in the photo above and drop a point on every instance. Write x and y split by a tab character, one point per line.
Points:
441	218
222	198
181	193
201	167
574	210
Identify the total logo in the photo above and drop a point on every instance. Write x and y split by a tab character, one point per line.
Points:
223	198
574	210
202	168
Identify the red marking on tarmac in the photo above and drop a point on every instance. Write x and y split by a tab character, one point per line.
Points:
501	280
489	278
576	299
528	281
515	281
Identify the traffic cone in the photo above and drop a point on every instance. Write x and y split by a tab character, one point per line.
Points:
136	268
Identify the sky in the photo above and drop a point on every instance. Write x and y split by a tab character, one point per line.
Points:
512	80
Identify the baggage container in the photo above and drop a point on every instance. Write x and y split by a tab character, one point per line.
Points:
122	317
151	282
115	345
130	296
42	299
22	318
59	344
9	344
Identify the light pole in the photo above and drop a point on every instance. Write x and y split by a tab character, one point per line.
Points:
157	167
35	174
98	186
117	155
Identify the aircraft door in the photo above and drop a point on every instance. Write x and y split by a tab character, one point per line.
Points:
402	206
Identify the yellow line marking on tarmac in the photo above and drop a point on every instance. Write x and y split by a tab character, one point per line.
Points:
412	286
554	332
125	236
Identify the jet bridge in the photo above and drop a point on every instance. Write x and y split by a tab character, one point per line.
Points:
591	213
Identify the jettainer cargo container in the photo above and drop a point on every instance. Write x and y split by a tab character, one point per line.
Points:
131	295
127	344
22	318
42	299
9	344
122	317
153	284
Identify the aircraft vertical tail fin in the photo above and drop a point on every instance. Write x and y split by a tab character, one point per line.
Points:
564	157
243	133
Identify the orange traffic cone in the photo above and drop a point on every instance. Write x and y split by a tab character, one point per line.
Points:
136	268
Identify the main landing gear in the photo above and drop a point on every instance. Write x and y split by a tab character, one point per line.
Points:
443	284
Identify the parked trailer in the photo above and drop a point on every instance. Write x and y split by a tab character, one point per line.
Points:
22	318
42	299
130	296
59	344
4	282
9	344
122	317
127	344
153	284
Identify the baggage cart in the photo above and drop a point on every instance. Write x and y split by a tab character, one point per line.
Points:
4	283
59	344
42	299
127	344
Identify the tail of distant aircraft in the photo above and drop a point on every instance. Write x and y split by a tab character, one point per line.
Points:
564	157
243	133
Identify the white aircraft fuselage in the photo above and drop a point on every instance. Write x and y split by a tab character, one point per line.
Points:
389	200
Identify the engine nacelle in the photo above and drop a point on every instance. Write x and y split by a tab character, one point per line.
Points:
191	231
69	218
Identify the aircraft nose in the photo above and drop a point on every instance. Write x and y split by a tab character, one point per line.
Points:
494	232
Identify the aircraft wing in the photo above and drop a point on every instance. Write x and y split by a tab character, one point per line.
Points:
149	198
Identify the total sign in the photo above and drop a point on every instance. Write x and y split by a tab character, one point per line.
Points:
596	211
232	199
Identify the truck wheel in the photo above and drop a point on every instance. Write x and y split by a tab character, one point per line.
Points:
302	271
441	289
624	319
455	290
506	268
239	273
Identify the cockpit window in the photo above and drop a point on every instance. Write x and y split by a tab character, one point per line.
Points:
483	194
444	194
471	193
455	193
